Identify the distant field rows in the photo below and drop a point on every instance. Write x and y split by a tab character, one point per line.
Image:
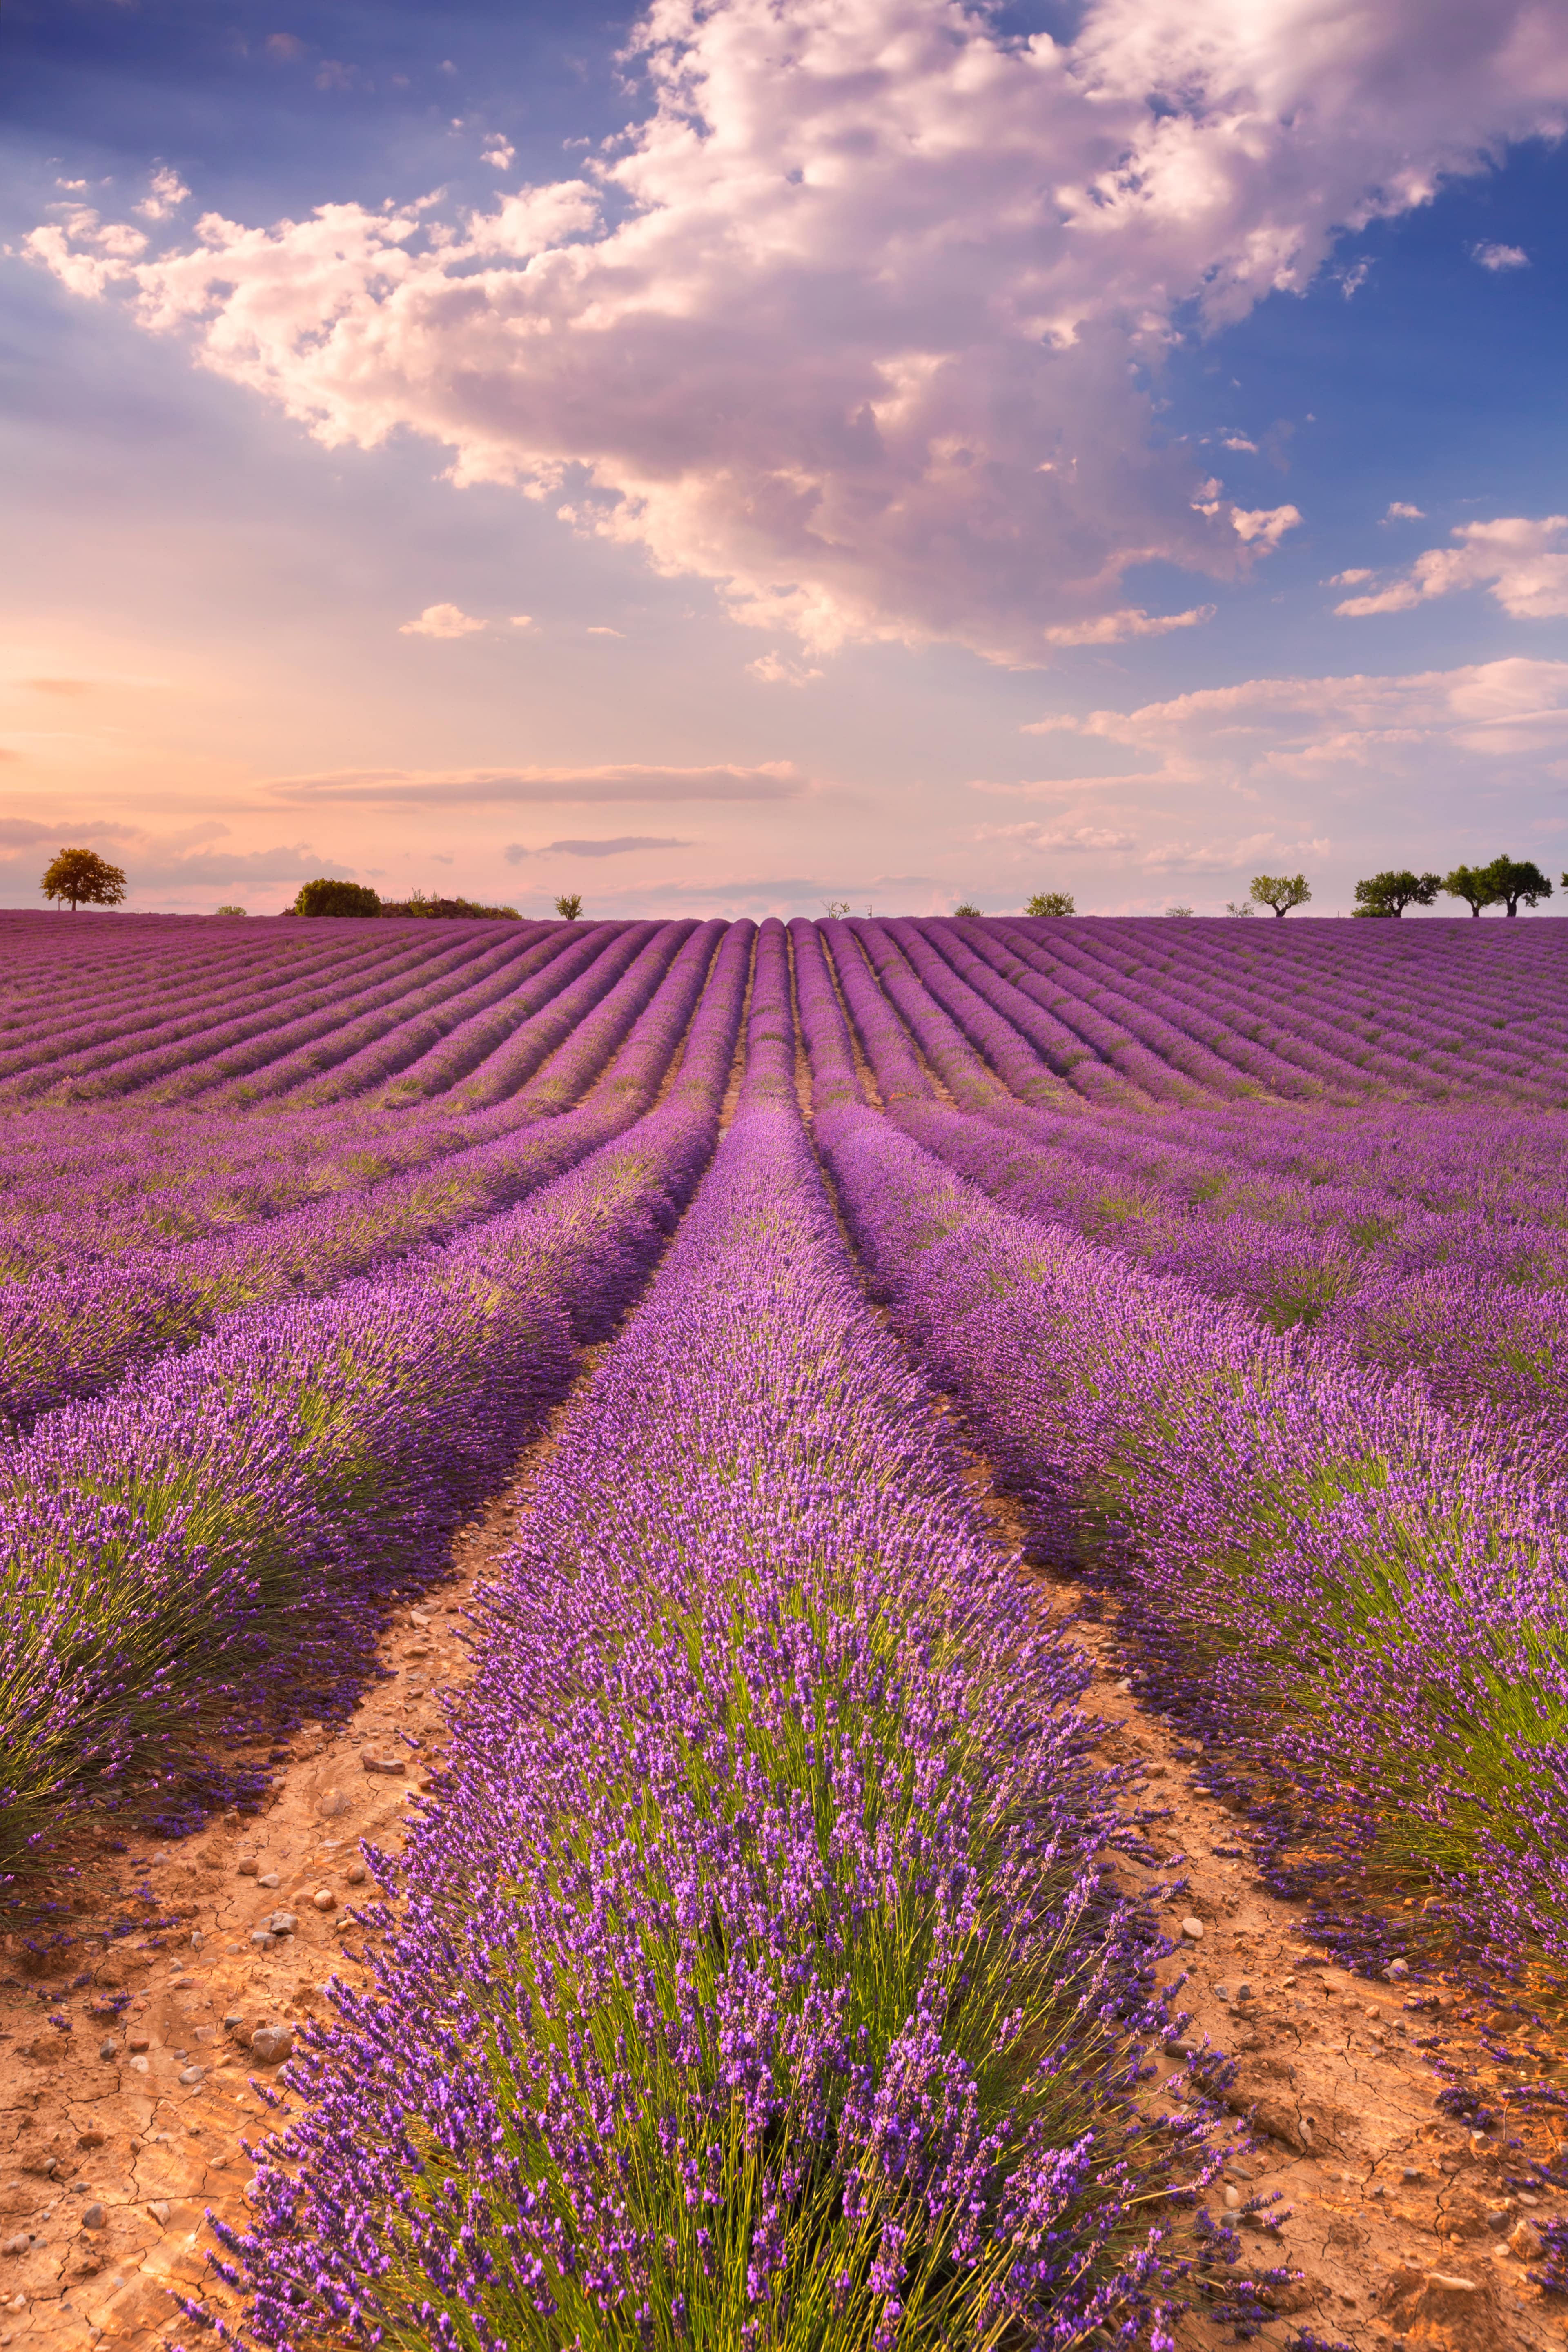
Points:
1240	1252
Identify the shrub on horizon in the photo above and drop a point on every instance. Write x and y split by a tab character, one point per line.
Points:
1051	902
447	909
568	906
326	895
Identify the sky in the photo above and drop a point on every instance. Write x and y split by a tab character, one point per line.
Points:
767	452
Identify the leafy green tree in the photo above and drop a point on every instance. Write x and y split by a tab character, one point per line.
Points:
1391	893
1280	891
1051	902
1518	880
568	906
1476	885
231	910
966	909
84	879
327	897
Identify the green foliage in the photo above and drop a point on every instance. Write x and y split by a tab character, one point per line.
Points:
326	897
1184	914
1517	880
84	879
1507	882
230	910
966	908
420	905
568	906
1280	891
1474	883
1390	893
1051	902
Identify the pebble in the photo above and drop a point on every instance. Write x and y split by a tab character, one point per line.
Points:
263	1938
1527	2242
1233	2201
1396	1971
270	1878
390	1764
1193	1929
355	1873
283	1923
108	2048
17	2245
334	1802
271	2044
324	1898
248	1868
160	2212
94	2217
139	2065
138	2041
190	2074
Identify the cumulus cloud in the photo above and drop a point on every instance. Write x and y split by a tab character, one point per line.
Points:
1266	525
1501	256
615	846
856	322
167	194
774	779
441	621
1521	562
1400	510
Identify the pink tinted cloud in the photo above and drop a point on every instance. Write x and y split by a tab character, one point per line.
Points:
850	324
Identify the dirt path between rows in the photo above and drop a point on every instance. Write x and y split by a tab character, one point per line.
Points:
1401	2221
119	2134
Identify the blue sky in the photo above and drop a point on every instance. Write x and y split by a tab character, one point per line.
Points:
813	626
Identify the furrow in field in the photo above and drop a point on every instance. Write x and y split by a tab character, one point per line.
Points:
212	1550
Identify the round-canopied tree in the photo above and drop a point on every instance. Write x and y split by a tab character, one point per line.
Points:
1518	881
1280	891
326	895
568	906
83	879
1476	885
1051	902
1391	893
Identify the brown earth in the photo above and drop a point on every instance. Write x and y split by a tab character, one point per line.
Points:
118	2137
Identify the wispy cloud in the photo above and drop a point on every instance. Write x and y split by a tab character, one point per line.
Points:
615	846
1132	621
1501	256
776	780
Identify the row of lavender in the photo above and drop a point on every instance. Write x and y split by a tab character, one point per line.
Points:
206	1552
73	1334
792	2007
1355	1595
1119	1012
1451	1258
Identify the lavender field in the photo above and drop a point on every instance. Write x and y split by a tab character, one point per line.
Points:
759	1969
